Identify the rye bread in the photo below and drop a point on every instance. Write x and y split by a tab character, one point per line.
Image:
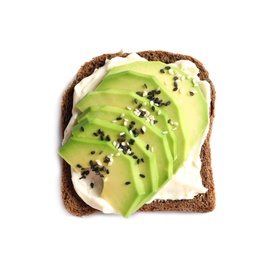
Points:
200	203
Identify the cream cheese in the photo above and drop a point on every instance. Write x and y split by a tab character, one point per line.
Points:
185	184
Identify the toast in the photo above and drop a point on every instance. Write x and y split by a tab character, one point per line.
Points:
200	203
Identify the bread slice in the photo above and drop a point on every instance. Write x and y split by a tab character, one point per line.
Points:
200	203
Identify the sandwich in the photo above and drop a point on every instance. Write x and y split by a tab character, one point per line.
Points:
136	133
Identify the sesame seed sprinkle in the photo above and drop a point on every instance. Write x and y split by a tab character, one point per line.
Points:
181	90
171	71
99	162
165	132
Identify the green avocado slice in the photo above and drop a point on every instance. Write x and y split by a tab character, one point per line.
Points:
138	128
149	87
184	88
131	101
135	149
121	188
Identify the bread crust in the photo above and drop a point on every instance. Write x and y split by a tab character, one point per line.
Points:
200	203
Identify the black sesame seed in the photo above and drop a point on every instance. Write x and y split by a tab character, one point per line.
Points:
142	114
133	122
100	152
95	134
138	161
118	118
127	182
175	88
99	131
82	128
142	159
155	121
142	175
168	103
135	157
162	71
86	172
169	121
160	103
175	78
107	171
145	85
191	93
125	149
136	101
139	106
101	175
147	147
106	159
175	84
92	185
93	152
96	169
108	138
167	67
135	132
79	166
139	93
131	141
153	108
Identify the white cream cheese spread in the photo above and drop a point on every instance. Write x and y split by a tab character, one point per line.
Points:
185	184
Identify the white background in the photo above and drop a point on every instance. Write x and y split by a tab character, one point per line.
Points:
42	46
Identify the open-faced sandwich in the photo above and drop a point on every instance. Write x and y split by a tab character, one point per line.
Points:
136	135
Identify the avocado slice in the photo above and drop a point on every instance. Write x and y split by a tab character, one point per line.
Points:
151	135
121	188
149	87
131	101
184	88
135	148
